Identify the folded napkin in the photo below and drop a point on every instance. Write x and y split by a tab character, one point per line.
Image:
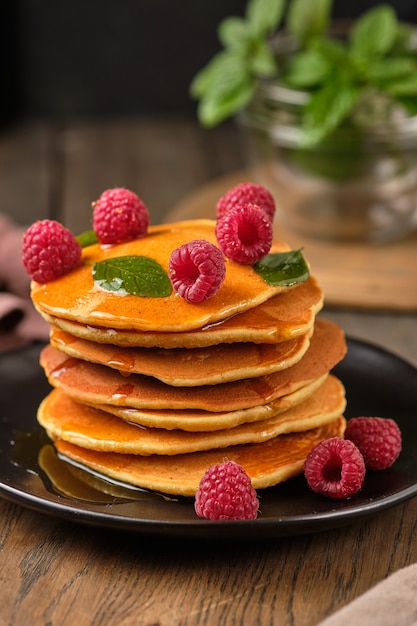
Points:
392	602
20	324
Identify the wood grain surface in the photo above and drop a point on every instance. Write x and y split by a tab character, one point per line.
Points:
56	572
60	573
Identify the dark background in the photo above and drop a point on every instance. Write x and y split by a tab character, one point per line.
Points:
68	58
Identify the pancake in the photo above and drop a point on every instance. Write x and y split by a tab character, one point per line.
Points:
283	317
188	367
76	297
96	384
267	463
90	428
195	421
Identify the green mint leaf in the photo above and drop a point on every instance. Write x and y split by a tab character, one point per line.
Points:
264	16
391	69
224	87
406	86
308	19
374	34
307	69
283	268
218	106
134	275
225	63
328	108
262	60
233	32
87	238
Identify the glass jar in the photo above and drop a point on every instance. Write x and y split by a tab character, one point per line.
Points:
357	185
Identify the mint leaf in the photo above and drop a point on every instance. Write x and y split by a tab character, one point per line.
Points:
374	34
406	86
307	19
233	32
390	69
134	275
264	16
224	87
219	105
87	238
262	60
327	109
307	69
283	268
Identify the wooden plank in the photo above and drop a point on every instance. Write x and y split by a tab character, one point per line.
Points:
25	175
54	572
161	160
358	275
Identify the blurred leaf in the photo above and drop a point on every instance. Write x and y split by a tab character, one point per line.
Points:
264	16
225	66
327	108
262	60
389	69
307	19
233	32
218	106
307	69
406	86
374	33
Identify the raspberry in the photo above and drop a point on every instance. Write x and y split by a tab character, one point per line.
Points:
378	439
248	193
119	215
335	468
244	234
196	270
49	251
226	493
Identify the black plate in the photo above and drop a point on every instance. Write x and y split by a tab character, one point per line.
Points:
377	383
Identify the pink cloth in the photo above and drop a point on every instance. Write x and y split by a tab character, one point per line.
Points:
20	324
392	602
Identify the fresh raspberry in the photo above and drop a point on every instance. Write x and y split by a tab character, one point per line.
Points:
246	193
119	215
244	234
49	251
335	468
378	438
196	270
226	493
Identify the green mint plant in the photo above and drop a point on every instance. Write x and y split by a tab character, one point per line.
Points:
376	62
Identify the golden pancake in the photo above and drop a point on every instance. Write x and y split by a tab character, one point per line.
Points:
188	367
90	428
197	421
96	384
76	297
280	318
267	463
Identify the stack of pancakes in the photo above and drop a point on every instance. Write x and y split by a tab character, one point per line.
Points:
152	391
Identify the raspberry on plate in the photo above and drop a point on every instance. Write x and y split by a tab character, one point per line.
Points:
196	270
49	251
119	215
244	234
335	468
246	193
378	438
226	493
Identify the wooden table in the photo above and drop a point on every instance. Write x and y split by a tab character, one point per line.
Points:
56	572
